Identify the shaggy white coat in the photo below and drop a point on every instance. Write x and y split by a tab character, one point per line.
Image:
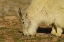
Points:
46	11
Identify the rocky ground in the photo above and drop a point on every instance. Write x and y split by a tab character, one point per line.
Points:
10	25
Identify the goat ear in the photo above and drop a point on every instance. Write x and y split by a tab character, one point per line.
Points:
20	14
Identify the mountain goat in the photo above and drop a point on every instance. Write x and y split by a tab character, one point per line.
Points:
49	12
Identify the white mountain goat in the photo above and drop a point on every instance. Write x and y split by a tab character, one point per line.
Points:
50	12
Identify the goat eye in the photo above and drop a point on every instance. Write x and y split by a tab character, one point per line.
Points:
26	14
23	22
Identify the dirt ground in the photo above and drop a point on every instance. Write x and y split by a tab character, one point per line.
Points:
10	25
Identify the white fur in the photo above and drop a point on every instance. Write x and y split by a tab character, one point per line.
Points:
46	11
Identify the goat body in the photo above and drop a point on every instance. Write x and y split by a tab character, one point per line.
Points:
44	11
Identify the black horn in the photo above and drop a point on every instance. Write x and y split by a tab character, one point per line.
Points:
20	14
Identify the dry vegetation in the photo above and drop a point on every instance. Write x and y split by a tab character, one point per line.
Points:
10	25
